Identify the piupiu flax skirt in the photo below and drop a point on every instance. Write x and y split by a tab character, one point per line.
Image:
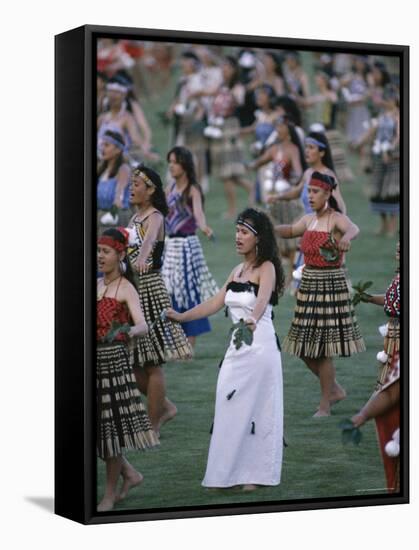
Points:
166	340
324	323
122	421
392	348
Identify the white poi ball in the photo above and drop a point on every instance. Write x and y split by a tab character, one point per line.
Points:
383	330
132	235
382	357
298	273
180	109
281	186
392	449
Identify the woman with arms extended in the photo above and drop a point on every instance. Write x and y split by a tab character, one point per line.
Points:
246	442
166	340
324	323
122	421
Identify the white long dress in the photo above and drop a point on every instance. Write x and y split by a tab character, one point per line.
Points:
247	436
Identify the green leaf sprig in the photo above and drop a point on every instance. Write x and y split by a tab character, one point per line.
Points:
350	433
360	294
330	251
241	333
116	329
114	210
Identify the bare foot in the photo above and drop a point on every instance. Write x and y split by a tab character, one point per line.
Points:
337	396
320	413
130	480
170	412
249	487
106	504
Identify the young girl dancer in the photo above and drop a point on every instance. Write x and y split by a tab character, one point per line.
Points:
122	421
185	271
324	323
246	442
166	340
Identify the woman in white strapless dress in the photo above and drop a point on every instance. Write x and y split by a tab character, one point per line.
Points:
247	436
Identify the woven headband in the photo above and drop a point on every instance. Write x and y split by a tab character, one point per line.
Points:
241	221
144	177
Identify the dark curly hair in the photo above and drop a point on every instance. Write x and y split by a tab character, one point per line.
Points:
267	248
158	198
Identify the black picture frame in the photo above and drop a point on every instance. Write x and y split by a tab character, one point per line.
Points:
75	108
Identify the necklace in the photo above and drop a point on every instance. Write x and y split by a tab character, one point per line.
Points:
101	291
321	214
244	269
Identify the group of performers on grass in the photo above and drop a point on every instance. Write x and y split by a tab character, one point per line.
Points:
155	294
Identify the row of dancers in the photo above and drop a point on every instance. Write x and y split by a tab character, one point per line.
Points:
160	306
220	103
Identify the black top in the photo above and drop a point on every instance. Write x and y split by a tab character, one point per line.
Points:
248	286
157	255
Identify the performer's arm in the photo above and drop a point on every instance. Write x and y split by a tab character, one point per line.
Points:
294	230
207	308
131	298
266	285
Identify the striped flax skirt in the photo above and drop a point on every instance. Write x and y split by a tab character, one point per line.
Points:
392	348
122	421
166	340
324	323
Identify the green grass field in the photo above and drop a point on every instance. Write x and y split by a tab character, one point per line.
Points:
316	464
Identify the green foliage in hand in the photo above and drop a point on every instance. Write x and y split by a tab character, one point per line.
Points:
350	434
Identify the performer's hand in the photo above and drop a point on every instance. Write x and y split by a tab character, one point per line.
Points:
208	231
142	266
358	419
173	315
250	323
273	198
139	330
344	244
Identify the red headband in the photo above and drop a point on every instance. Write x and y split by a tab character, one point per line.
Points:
320	183
114	243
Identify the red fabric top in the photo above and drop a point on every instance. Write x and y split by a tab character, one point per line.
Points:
310	246
392	299
282	169
108	310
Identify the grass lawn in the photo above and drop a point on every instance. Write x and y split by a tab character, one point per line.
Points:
316	464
